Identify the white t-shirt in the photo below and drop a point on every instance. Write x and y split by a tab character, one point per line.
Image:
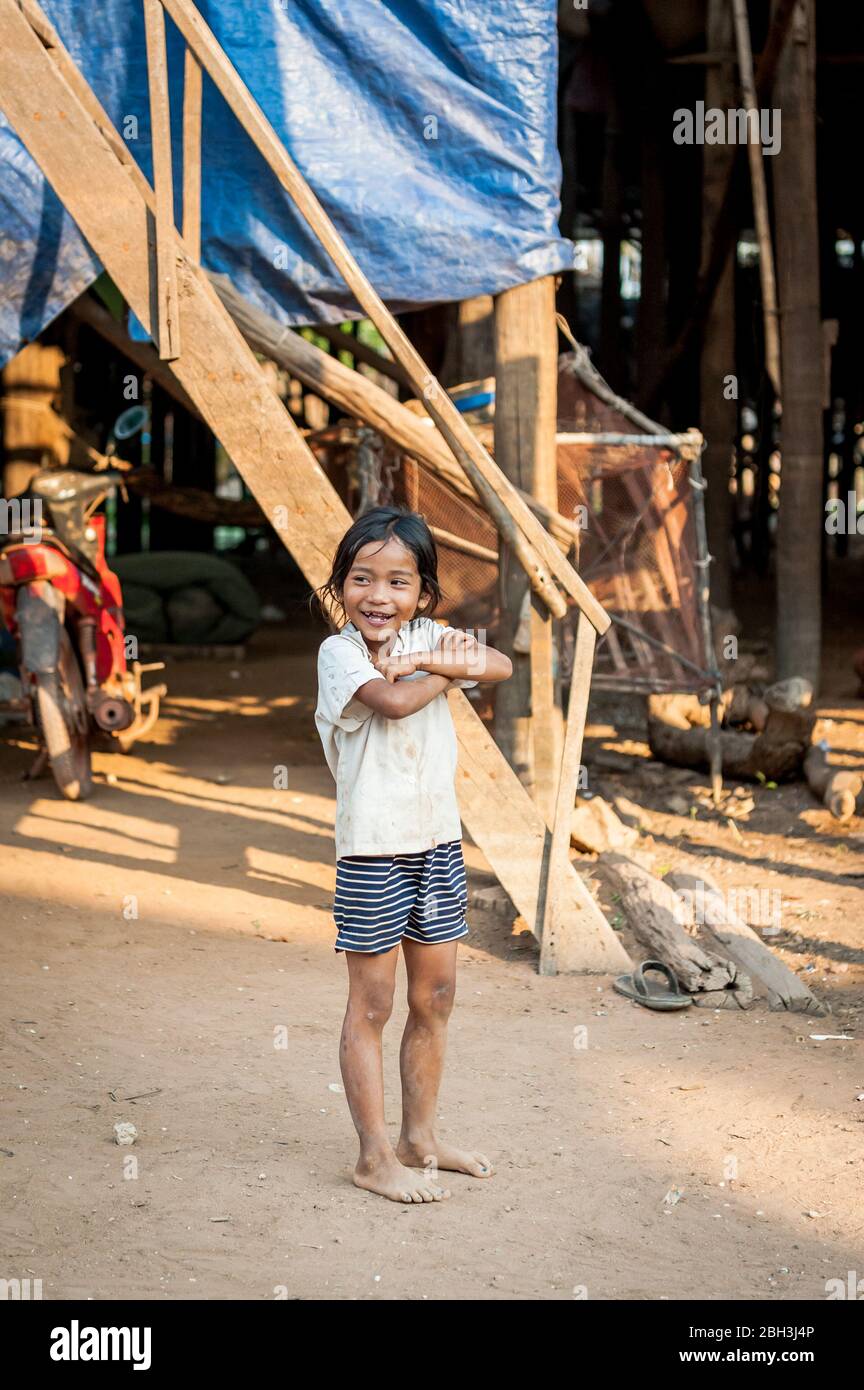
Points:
395	790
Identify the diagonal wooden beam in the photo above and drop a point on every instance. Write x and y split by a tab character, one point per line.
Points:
220	374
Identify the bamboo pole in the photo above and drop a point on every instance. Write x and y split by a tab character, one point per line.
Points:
362	352
166	299
767	278
536	551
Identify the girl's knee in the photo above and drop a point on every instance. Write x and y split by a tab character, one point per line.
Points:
433	1000
373	1003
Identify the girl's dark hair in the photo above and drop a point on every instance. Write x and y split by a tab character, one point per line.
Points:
379	524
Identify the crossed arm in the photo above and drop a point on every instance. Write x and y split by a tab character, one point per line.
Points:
458	657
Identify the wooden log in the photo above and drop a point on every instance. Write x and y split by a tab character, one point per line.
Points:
782	987
650	907
192	85
165	296
542	561
362	352
220	373
361	398
553	891
678	733
840	789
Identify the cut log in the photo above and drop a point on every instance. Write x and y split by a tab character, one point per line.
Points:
840	789
678	730
650	907
596	828
722	925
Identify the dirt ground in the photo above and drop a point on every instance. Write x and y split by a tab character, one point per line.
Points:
167	960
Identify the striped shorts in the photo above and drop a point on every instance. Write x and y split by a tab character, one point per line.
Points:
381	898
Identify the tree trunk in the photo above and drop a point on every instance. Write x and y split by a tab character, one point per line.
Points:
799	535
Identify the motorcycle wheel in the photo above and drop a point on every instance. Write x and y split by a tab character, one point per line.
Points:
63	718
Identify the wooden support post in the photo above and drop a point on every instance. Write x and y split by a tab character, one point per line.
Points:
221	375
527	716
192	85
166	302
553	923
801	525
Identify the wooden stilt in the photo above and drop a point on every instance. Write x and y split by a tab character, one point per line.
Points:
801	524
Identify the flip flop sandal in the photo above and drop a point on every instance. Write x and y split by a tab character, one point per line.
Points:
649	993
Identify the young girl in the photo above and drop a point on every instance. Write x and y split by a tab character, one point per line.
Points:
390	743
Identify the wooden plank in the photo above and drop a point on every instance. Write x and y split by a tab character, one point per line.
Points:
165	296
554	904
221	375
538	555
192	93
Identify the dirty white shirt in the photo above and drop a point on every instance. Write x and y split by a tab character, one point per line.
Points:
395	790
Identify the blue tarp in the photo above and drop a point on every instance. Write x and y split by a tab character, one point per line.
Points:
426	128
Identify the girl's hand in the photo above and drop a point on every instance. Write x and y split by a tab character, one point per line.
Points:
394	667
462	646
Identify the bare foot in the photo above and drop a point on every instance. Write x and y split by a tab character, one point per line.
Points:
433	1152
389	1178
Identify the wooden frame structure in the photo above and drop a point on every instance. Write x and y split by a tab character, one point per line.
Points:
130	226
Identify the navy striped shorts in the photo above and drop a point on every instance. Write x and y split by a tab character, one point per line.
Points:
381	898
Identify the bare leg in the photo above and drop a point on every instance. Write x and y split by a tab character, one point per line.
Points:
371	979
431	991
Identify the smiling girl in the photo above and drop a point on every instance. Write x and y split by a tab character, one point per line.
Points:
400	879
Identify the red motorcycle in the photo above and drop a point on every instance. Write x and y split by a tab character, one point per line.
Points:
64	607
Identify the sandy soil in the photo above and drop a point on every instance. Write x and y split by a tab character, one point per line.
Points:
239	1184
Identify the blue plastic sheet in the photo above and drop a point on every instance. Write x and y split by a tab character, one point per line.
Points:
426	128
